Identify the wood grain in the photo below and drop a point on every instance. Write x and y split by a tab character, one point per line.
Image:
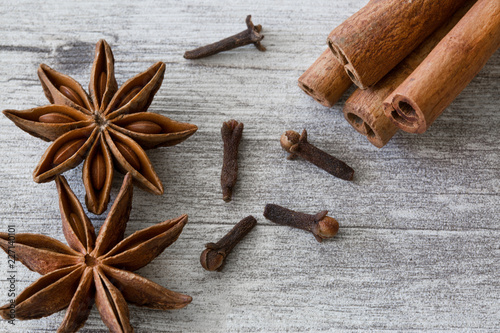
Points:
419	241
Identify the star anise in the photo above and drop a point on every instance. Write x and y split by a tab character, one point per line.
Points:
112	125
93	268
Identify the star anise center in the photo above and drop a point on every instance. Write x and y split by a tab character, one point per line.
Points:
91	261
100	120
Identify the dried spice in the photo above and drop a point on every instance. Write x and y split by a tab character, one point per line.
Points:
109	127
325	80
93	268
320	225
231	136
213	257
251	35
380	35
417	102
297	145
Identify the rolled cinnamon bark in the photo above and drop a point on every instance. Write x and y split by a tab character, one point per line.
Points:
380	35
447	70
364	110
326	80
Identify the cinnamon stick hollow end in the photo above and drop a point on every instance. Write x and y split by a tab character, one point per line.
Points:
363	110
405	114
337	53
348	68
325	80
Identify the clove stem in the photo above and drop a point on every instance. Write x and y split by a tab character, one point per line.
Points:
297	145
231	132
249	36
320	225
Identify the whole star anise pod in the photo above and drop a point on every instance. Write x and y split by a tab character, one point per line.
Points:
93	269
112	125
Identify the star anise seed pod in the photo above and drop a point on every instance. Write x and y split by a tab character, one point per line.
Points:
93	268
110	125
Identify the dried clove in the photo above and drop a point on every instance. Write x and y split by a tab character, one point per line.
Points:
213	256
297	145
320	225
249	36
231	135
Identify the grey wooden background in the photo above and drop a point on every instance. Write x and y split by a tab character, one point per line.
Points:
419	244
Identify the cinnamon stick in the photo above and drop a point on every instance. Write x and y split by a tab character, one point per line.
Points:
380	35
326	80
447	70
364	110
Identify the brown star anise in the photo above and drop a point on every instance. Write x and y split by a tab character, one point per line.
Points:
90	268
111	125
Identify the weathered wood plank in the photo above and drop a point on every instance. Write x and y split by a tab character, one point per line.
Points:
418	248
